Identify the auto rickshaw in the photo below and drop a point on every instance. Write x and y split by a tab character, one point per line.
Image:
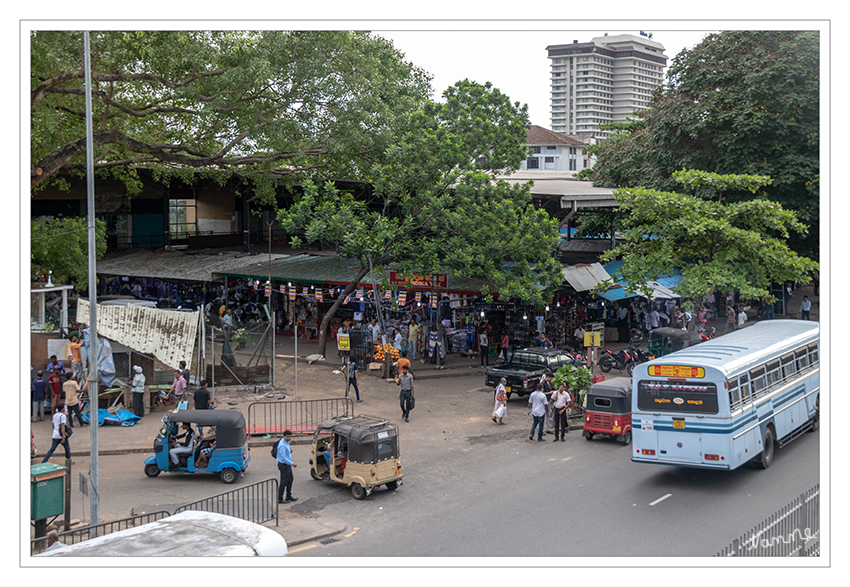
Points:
361	452
663	341
609	410
224	452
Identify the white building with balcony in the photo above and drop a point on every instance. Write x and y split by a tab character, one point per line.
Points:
554	152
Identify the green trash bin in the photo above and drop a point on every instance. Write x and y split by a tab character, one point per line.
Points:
47	490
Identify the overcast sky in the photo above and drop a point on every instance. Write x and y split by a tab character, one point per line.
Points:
515	62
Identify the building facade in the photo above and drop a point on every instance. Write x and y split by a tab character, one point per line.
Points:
605	80
554	152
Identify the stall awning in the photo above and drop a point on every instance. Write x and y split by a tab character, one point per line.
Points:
660	288
584	276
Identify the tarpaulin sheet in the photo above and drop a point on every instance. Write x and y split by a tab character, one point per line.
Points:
120	418
105	363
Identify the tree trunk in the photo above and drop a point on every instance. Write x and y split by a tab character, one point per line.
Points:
323	328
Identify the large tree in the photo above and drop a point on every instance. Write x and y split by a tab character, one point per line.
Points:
739	102
439	207
268	105
739	246
61	246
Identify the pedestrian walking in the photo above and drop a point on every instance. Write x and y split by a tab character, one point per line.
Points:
506	345
55	384
412	339
546	380
350	374
60	433
560	411
483	348
39	394
742	318
805	308
730	319
178	386
285	465
405	396
138	392
72	399
538	407
501	398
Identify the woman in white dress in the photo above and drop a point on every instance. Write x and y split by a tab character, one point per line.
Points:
501	406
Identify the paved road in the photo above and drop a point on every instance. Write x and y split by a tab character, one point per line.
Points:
473	488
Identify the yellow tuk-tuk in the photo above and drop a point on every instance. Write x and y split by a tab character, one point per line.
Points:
360	451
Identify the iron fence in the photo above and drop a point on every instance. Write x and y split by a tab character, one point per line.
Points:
256	502
81	534
302	417
792	531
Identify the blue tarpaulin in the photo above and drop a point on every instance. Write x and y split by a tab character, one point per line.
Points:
105	364
121	418
618	291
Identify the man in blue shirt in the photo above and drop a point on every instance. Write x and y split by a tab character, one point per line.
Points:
39	394
285	466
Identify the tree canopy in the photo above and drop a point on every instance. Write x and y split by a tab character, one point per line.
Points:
61	246
440	208
265	105
739	246
739	102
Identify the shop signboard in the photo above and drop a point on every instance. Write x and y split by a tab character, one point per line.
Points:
428	280
592	339
343	342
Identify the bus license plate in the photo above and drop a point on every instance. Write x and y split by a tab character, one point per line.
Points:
678	424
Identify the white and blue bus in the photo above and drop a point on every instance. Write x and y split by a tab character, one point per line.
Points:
730	400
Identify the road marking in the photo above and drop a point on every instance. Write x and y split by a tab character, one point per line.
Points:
352	533
309	546
660	499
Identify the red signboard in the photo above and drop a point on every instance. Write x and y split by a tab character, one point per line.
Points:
427	281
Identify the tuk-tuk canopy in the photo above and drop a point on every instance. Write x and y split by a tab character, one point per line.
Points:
617	392
230	430
364	433
677	334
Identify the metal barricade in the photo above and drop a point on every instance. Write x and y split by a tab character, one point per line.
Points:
792	531
302	417
256	503
82	534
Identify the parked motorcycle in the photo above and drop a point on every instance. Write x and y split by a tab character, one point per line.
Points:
637	357
611	360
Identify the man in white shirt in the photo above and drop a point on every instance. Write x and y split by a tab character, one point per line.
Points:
538	407
484	348
805	308
560	408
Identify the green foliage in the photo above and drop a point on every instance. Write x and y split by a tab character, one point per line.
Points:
738	246
61	246
739	102
255	103
576	376
438	206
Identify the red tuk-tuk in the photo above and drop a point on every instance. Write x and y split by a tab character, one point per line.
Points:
609	410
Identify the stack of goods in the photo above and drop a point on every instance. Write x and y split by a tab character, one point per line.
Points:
457	341
382	350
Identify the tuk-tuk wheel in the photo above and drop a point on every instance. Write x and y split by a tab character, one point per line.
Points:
392	485
228	476
151	470
315	475
627	438
588	435
358	491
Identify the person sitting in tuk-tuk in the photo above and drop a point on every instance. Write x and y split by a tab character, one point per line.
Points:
341	452
205	447
186	448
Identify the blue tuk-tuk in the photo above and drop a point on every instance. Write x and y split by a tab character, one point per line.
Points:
222	449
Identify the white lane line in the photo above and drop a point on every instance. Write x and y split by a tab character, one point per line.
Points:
660	499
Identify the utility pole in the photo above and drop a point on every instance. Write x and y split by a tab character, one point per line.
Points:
92	254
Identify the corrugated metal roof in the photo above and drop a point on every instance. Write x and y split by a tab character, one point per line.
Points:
178	264
333	270
583	277
166	334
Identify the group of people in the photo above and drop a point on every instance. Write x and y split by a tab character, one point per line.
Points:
545	400
206	444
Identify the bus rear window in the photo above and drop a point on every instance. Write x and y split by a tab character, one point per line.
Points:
677	396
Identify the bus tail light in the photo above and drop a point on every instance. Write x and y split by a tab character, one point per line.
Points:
714	458
646	451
